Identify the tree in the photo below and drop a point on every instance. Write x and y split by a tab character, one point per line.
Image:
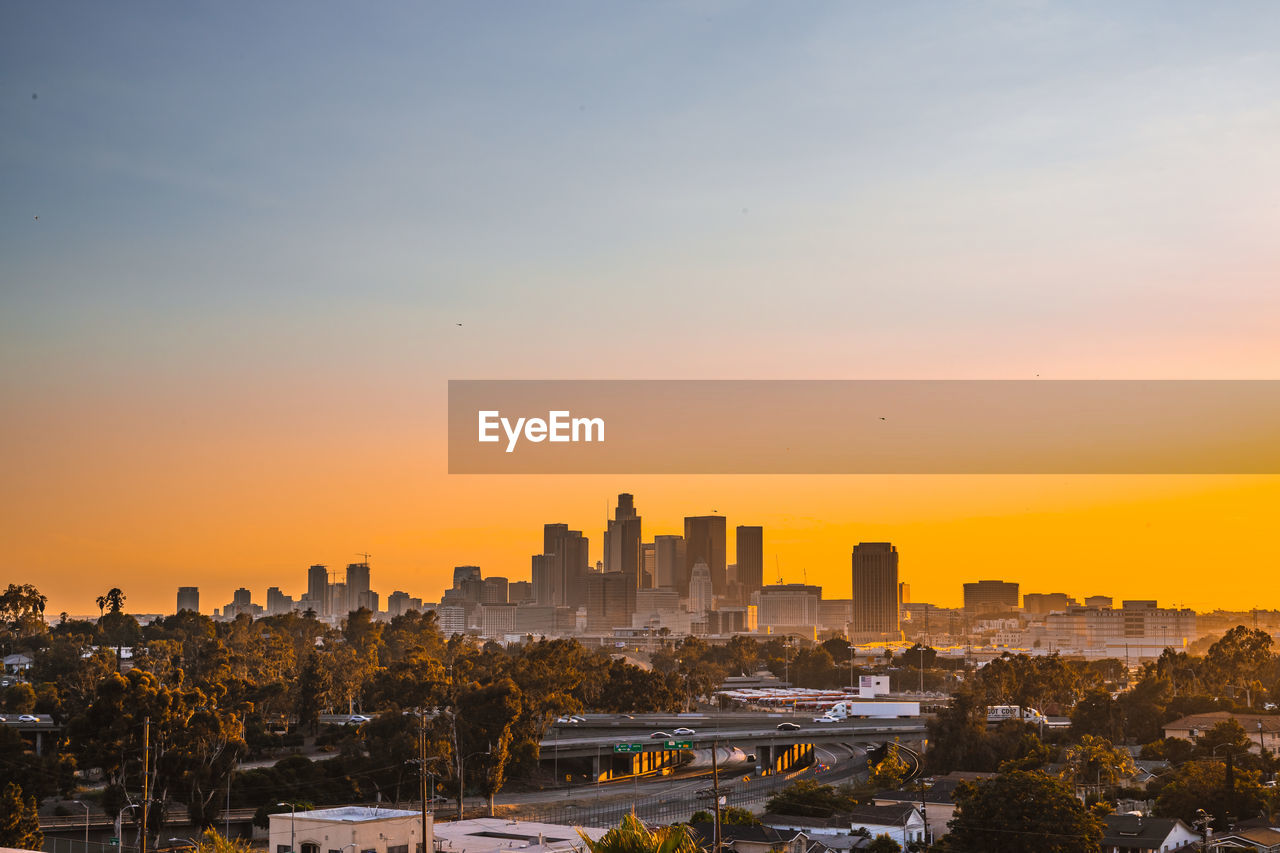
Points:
40	776
1241	658
21	613
890	771
1096	761
312	692
485	717
958	736
1020	811
19	822
883	844
632	836
731	816
1098	714
211	841
1206	785
810	798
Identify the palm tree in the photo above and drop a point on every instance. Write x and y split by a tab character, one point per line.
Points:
102	606
632	836
115	599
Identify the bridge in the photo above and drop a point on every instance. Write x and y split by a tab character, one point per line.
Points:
608	746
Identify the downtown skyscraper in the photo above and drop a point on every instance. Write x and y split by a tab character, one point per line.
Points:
875	593
704	542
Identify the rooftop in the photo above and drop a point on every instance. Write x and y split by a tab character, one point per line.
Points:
351	814
495	835
1123	830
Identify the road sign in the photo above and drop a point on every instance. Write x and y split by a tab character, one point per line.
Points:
113	841
628	747
679	744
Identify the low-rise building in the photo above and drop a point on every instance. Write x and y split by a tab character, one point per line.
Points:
360	828
900	821
498	835
1127	833
1262	729
1260	838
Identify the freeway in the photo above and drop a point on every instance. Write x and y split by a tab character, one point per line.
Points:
600	732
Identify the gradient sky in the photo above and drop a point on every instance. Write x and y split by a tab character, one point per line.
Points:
225	340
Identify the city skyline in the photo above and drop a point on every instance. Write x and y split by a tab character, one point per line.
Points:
929	566
591	553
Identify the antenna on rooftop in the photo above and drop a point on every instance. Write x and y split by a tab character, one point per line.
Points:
777	565
366	557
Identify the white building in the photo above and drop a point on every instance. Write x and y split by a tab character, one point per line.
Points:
498	835
1138	631
359	829
701	594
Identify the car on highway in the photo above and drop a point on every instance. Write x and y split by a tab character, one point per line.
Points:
788	727
684	730
357	719
28	718
570	719
656	735
826	718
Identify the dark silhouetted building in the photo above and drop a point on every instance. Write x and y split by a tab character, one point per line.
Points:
622	541
668	560
750	557
318	590
990	596
704	542
559	572
189	599
876	611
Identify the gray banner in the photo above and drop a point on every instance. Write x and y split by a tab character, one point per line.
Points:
864	427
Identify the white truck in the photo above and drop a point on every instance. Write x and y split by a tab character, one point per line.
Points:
1000	713
879	710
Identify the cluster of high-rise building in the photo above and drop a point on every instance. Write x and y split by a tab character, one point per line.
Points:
1052	622
672	584
677	584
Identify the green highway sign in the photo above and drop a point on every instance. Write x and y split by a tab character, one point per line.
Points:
679	744
628	747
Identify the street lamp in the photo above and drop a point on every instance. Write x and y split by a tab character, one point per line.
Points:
86	820
292	814
461	785
194	844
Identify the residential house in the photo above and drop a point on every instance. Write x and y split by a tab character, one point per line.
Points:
751	838
1262	729
1262	838
1130	833
936	802
900	821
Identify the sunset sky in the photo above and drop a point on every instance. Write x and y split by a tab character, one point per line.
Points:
236	241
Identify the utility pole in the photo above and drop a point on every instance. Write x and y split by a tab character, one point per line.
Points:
422	771
146	763
715	790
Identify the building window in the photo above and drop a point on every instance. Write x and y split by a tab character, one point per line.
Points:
398	848
282	848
